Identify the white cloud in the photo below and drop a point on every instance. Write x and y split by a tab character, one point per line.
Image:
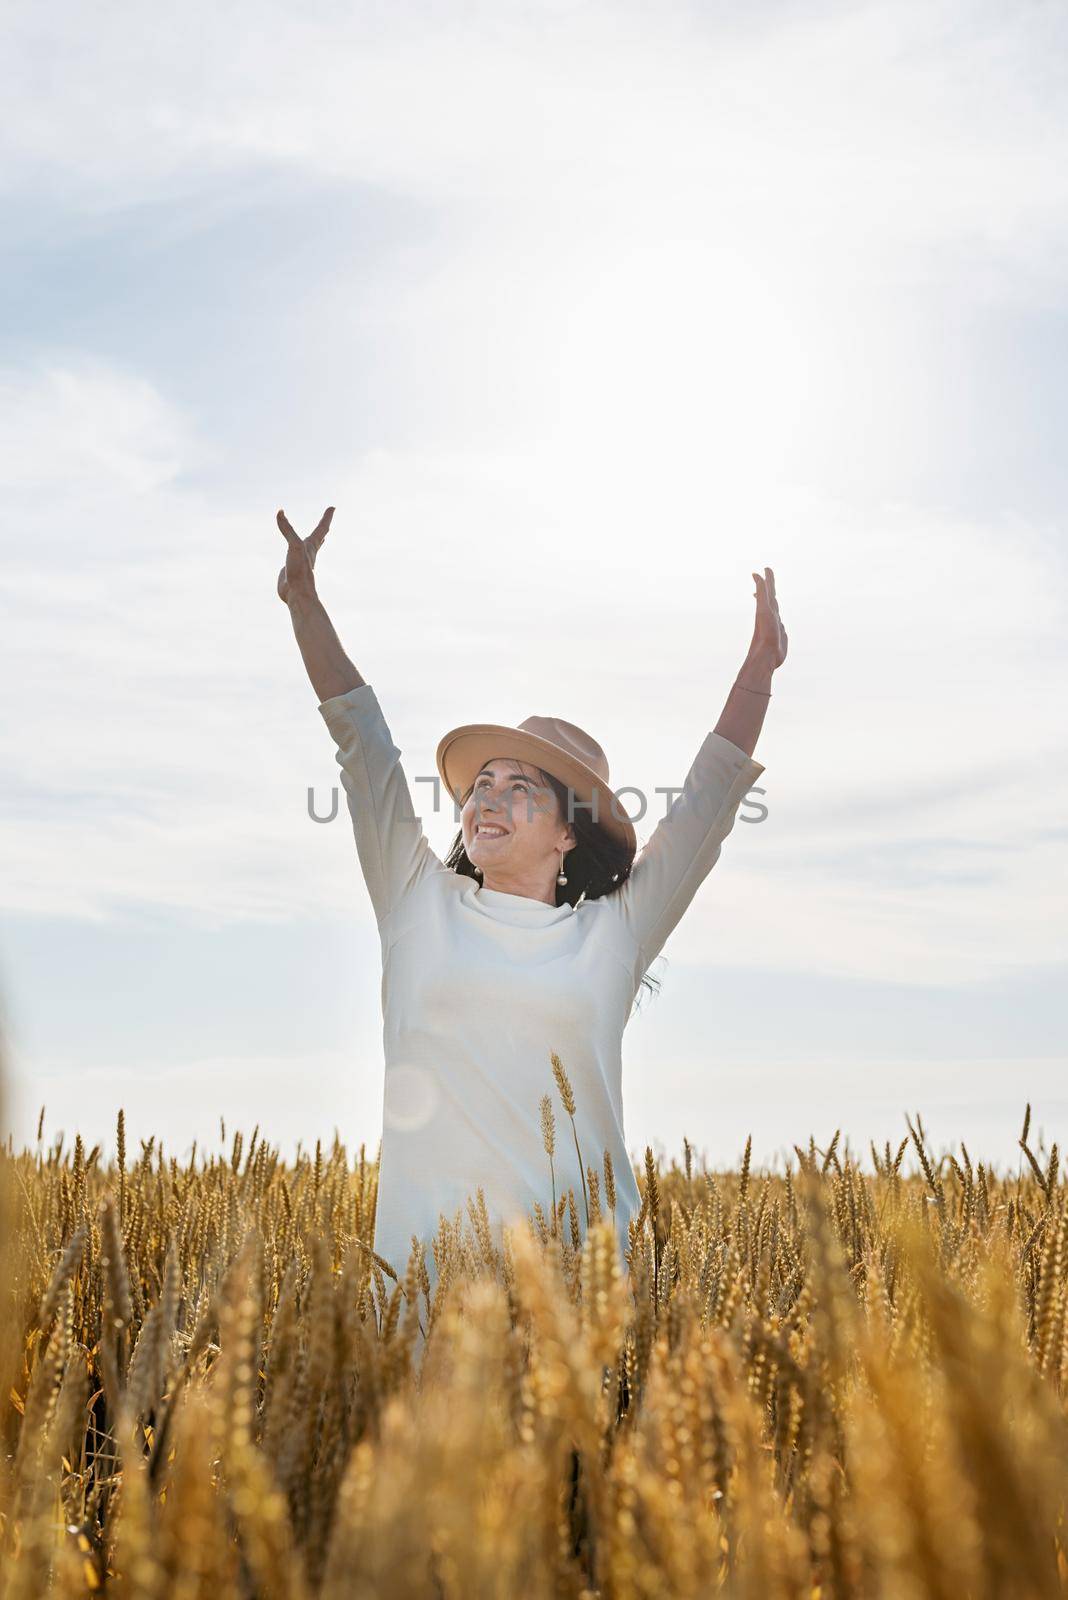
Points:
74	426
928	138
161	736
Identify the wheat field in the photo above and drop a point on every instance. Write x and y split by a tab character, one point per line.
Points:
826	1382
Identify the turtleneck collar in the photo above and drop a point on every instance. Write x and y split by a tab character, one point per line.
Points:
519	909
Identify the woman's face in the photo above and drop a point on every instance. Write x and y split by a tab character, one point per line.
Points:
511	820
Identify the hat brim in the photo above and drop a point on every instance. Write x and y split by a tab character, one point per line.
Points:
464	751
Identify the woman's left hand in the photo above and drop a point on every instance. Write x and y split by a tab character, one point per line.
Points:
769	635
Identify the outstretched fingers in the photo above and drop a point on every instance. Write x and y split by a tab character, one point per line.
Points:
322	528
283	523
765	588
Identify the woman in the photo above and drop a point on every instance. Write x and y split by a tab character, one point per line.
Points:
532	937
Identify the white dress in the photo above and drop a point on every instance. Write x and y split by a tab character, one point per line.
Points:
479	986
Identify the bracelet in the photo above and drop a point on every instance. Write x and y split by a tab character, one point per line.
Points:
747	689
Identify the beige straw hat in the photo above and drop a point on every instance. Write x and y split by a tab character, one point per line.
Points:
558	747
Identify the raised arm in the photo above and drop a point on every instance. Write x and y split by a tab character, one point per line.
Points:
329	668
393	850
686	843
747	703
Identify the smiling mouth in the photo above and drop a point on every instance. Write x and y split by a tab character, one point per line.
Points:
489	831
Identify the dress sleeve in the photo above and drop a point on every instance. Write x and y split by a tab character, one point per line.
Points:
685	845
392	847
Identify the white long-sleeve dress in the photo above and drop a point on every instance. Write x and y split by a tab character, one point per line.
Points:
479	986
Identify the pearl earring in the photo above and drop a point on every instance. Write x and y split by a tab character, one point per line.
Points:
560	878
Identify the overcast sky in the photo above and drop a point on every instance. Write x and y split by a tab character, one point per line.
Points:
578	315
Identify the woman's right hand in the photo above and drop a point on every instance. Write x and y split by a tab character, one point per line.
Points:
297	577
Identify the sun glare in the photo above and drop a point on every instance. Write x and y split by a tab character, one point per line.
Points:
686	359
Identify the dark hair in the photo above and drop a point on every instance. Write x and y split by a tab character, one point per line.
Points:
598	863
